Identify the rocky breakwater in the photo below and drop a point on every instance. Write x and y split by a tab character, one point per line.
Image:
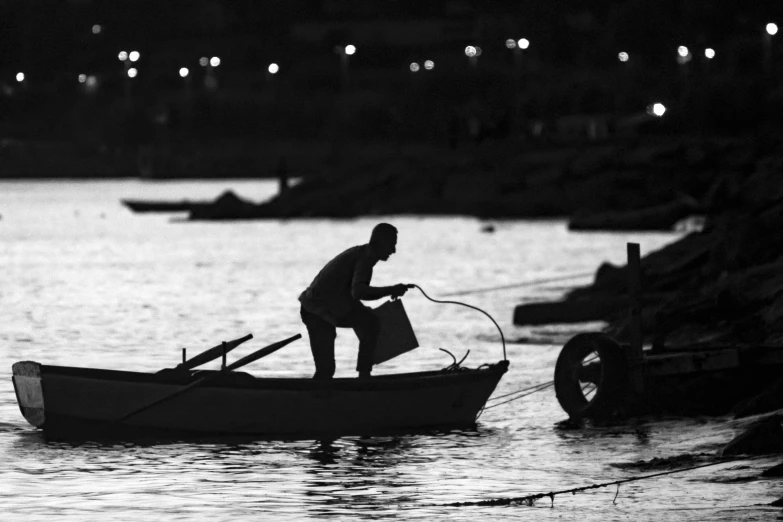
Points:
720	288
633	183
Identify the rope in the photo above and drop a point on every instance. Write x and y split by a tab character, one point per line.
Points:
539	388
523	283
530	390
502	338
530	499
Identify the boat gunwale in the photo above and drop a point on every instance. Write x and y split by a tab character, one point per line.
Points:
242	380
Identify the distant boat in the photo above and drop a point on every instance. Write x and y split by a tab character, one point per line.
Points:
140	205
72	402
226	206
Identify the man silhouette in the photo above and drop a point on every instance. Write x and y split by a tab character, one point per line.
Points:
334	298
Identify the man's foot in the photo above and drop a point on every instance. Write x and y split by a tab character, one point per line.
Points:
365	374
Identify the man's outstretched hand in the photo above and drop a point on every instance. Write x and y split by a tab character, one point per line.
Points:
399	290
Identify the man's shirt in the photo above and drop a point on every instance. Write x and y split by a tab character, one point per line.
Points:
333	293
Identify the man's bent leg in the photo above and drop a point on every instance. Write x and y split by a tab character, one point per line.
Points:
367	327
322	335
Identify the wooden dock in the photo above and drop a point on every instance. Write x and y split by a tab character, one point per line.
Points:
595	376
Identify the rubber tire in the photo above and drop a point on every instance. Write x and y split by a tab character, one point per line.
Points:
612	384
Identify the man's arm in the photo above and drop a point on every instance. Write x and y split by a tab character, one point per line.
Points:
364	292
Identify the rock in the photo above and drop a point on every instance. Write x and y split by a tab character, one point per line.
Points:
576	311
769	400
774	471
762	437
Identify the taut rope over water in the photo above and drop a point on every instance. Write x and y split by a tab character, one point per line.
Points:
530	391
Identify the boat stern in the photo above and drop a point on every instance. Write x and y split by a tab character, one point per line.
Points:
29	391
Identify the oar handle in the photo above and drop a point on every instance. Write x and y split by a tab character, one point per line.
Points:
263	352
241	362
213	353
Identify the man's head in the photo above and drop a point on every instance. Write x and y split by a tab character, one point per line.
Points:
384	240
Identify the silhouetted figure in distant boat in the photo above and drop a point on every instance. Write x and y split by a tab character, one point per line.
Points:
334	298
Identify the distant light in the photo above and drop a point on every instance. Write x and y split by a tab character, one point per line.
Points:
122	56
134	56
92	82
656	109
96	29
772	29
350	49
470	51
214	61
82	78
683	55
183	72
273	68
20	77
523	43
414	67
203	61
511	44
429	65
132	72
709	53
623	56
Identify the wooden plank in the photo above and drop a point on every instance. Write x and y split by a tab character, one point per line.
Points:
573	311
691	362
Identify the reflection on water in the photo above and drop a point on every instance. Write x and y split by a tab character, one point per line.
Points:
86	283
349	473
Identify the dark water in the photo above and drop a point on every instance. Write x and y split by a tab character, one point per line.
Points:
87	283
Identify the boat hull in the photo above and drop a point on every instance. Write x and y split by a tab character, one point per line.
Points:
79	401
164	206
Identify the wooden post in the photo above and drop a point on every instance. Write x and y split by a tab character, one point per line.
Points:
184	355
635	356
223	368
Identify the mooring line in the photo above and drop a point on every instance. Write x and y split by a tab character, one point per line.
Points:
529	500
540	388
537	387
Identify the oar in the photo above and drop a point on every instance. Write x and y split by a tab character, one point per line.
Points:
213	353
245	360
263	352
